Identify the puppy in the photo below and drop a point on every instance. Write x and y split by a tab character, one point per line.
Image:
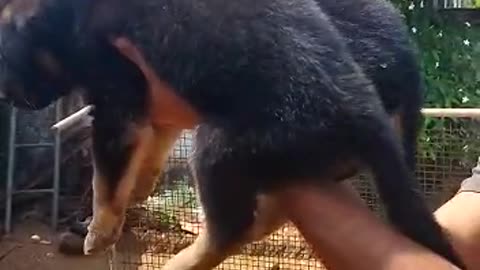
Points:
288	91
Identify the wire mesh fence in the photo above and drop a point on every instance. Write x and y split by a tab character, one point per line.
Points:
171	217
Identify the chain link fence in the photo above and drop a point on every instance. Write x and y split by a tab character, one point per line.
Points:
170	219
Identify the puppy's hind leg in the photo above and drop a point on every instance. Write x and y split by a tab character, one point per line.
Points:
204	253
230	203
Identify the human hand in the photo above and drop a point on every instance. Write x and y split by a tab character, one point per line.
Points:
167	108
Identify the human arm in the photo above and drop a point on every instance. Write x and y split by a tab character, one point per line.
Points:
347	235
460	217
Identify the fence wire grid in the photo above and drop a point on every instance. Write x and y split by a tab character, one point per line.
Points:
171	217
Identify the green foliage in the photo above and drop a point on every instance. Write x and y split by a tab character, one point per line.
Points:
450	59
182	195
166	204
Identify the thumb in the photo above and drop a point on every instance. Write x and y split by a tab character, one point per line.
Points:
130	51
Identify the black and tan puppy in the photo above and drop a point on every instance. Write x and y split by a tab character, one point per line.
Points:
288	91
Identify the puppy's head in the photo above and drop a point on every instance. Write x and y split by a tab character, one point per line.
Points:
33	35
49	47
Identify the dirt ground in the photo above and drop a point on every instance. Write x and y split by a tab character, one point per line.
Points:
133	253
239	262
19	252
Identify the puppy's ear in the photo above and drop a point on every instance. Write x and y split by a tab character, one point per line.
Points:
18	11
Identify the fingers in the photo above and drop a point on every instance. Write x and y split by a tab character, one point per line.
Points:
129	50
126	48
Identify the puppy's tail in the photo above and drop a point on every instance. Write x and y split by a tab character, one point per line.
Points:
411	115
406	208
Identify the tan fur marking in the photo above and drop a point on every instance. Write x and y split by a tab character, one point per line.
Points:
103	220
109	215
127	183
154	163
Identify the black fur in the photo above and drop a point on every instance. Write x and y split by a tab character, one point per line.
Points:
286	88
114	84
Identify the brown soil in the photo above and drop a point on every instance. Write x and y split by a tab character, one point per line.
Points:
19	252
134	252
149	250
